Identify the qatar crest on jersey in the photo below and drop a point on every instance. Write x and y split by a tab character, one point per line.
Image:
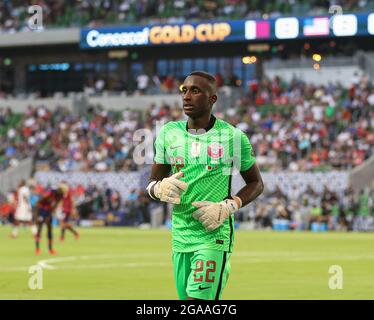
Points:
215	150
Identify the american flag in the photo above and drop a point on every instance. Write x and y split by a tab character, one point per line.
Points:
316	26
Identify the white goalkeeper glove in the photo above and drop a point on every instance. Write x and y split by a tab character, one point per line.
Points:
213	214
168	189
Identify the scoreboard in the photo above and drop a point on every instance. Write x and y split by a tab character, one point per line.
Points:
282	28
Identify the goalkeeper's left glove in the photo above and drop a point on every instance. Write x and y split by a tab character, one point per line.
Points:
213	214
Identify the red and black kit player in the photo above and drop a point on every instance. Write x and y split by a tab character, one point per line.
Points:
68	208
45	207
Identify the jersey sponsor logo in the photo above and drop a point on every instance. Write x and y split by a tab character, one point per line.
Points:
215	150
203	288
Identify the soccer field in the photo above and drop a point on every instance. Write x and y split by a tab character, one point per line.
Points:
125	263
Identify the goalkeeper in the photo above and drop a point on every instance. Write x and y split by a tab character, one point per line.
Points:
192	170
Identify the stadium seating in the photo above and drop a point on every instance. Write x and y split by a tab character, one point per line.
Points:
59	14
293	126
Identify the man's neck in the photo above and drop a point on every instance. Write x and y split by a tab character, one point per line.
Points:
205	123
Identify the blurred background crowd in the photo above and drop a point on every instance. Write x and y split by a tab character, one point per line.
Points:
292	126
313	211
93	13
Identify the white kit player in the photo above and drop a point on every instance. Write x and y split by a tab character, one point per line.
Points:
23	213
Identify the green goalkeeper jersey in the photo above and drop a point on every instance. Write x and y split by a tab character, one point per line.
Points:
207	159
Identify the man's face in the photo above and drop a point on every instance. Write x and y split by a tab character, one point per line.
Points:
198	96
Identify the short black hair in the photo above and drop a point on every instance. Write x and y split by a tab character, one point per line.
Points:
204	74
208	76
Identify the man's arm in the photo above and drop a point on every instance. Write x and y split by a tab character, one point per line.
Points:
158	172
161	186
254	185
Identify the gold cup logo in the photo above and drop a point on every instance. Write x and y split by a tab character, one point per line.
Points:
204	32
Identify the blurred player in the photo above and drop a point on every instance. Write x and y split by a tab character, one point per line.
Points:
201	153
45	207
35	193
23	213
68	207
8	207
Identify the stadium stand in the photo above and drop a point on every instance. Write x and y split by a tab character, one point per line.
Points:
304	207
308	129
294	126
73	13
328	122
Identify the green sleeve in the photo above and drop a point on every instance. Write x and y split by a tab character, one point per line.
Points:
161	156
246	153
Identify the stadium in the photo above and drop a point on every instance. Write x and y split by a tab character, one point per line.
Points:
86	86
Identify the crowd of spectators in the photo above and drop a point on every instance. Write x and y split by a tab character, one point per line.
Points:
92	203
78	13
345	211
63	141
143	84
313	211
107	204
292	126
307	127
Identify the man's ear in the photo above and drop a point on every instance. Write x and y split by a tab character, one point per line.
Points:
213	99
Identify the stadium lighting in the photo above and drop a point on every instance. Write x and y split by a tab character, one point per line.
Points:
7	62
249	60
317	57
245	60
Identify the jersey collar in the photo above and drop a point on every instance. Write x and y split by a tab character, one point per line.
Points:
212	121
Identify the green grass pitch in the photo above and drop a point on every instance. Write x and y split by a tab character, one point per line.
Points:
126	263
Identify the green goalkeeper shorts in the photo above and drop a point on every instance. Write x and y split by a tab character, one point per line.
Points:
201	274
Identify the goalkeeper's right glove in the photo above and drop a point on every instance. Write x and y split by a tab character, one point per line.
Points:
168	189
